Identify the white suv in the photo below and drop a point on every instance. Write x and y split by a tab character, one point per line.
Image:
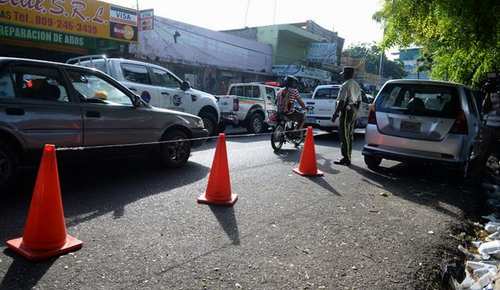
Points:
423	121
158	86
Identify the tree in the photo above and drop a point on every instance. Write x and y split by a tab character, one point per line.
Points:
370	54
459	36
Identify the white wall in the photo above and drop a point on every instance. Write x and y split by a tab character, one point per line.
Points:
200	46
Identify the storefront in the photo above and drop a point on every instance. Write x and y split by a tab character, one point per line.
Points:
58	30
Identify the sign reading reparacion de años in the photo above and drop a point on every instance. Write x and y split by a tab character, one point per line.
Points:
89	18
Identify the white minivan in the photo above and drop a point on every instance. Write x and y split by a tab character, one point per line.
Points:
423	121
158	86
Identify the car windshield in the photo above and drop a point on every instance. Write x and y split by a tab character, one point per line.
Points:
420	100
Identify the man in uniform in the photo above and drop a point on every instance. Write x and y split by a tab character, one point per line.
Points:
348	103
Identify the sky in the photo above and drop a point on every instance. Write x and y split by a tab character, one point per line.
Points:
352	19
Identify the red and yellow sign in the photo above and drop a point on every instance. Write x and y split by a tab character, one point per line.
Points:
89	18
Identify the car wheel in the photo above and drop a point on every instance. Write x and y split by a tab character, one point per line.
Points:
210	123
373	162
8	166
256	123
175	154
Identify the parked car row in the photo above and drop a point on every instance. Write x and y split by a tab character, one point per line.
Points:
108	101
52	103
157	86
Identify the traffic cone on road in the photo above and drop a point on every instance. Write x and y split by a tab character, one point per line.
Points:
45	231
219	184
308	166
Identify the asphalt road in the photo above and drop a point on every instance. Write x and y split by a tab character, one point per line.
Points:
142	227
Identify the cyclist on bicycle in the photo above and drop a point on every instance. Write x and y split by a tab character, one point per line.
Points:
288	98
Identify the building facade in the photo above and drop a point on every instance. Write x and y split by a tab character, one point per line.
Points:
209	60
305	50
369	81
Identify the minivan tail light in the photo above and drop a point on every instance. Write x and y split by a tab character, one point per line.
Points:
236	104
372	115
460	125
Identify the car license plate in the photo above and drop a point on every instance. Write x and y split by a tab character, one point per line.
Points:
411	127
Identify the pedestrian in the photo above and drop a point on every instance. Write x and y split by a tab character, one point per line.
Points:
348	103
490	132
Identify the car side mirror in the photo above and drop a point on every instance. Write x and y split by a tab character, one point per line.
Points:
136	101
185	86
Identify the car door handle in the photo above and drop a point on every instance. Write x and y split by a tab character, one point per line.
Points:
310	103
92	114
133	89
165	93
14	111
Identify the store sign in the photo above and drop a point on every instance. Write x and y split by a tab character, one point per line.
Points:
89	18
146	20
39	35
301	71
323	53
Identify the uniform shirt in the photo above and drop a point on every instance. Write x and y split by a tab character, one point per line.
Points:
493	117
350	93
286	100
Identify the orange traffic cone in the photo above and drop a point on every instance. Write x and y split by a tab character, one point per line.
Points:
219	185
307	166
45	232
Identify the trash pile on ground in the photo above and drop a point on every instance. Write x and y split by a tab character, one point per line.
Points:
482	251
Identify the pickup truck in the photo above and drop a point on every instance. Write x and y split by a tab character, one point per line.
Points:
248	105
321	107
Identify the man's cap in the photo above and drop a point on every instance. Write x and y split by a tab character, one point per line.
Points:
347	69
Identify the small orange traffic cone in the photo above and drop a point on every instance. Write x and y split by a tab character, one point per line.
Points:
219	184
307	166
45	232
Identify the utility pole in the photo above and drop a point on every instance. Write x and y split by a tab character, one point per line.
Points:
275	11
138	26
246	13
381	62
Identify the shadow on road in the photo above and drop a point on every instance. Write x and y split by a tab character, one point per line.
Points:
326	164
324	184
90	191
431	186
227	219
23	274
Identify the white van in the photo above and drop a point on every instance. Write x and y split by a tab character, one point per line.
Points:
321	107
158	86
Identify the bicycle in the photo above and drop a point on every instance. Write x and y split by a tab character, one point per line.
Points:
286	131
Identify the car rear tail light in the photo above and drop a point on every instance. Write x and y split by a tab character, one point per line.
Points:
372	116
236	104
460	125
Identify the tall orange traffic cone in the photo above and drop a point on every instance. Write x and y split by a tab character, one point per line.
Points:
307	166
45	232
219	184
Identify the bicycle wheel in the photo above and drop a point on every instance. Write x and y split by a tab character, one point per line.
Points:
278	138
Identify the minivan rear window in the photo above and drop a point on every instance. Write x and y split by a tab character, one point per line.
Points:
419	100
